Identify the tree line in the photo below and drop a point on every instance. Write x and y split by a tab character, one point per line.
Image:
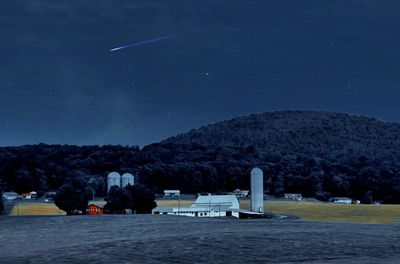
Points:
73	198
196	168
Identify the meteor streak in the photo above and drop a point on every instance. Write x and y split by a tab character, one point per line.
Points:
144	42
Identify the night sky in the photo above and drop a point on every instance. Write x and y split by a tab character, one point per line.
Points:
60	84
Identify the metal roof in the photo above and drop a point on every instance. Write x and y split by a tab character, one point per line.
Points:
217	200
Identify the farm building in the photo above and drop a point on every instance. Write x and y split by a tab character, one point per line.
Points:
204	206
171	193
95	209
31	195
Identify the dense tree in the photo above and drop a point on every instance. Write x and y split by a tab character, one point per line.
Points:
118	200
73	196
142	199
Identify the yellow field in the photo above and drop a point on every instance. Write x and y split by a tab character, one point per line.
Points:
362	213
36	209
373	214
174	202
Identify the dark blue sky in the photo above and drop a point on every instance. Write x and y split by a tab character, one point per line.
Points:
61	84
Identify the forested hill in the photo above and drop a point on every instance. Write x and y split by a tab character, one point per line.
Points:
314	133
318	154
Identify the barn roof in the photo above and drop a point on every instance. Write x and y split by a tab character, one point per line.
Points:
99	205
217	200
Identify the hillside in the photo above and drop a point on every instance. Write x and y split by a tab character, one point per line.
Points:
313	133
317	154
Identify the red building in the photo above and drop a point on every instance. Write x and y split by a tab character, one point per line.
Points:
94	209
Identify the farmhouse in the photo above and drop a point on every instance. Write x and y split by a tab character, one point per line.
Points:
204	206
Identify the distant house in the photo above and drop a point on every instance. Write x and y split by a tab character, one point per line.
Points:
204	206
171	193
25	196
293	196
341	200
33	194
95	209
9	196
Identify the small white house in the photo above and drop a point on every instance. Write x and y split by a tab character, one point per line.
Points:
171	193
205	206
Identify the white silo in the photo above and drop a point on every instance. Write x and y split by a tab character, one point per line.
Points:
113	178
257	190
126	179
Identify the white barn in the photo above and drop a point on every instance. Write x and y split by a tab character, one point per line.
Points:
205	206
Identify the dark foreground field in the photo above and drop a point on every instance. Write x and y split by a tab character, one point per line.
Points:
169	239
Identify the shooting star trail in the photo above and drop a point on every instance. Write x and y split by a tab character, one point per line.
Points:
145	42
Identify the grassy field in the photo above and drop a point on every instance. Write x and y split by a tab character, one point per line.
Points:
372	214
361	213
33	208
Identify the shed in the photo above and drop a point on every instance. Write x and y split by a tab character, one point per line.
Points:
95	209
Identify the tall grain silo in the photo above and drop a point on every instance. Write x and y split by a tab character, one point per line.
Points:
126	179
113	178
257	190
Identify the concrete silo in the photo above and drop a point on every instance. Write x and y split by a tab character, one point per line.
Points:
257	190
126	179
113	178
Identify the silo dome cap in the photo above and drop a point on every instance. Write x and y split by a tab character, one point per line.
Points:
113	175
